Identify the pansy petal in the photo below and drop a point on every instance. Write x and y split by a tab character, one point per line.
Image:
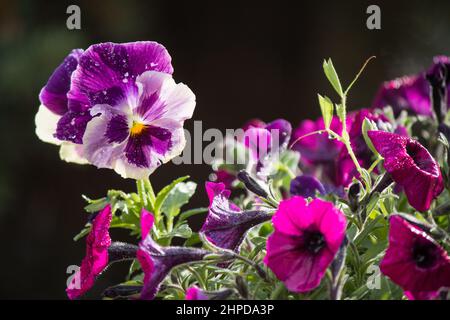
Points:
46	122
71	152
97	148
54	94
173	101
108	70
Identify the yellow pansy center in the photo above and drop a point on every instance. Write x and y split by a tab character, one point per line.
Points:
137	128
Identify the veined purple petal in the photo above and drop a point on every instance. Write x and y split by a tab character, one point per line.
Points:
72	126
107	69
117	130
54	94
411	166
226	225
162	98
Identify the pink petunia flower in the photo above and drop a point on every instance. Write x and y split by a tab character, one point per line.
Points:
195	293
306	239
96	260
411	166
415	261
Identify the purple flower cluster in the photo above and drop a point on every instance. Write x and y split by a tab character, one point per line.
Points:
117	106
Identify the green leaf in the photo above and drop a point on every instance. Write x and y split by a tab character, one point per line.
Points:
341	112
82	233
181	231
95	205
332	76
177	197
327	108
369	125
189	213
163	194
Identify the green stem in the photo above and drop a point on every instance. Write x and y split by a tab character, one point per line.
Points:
374	164
141	192
151	192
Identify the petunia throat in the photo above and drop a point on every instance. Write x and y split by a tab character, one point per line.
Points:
424	255
313	241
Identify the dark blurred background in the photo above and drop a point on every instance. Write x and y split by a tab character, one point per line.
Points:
242	60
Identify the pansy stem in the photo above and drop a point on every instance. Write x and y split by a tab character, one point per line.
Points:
151	192
141	192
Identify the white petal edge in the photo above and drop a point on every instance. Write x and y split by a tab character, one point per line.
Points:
46	122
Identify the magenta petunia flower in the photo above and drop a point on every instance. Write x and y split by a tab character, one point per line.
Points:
195	293
96	260
411	93
415	261
226	224
157	261
317	149
306	238
254	123
54	105
411	166
267	141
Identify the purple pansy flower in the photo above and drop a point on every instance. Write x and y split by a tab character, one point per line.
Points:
306	238
106	75
126	109
415	261
195	293
54	105
157	261
226	224
96	260
306	186
411	166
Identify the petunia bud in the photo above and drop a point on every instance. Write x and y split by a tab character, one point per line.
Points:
353	196
437	77
251	184
122	291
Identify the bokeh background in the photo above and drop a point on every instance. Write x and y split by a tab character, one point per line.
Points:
242	59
